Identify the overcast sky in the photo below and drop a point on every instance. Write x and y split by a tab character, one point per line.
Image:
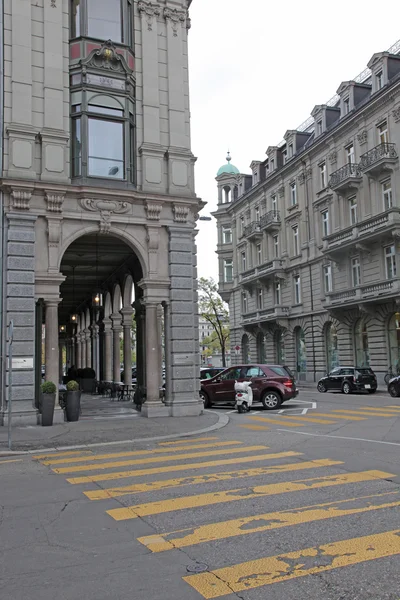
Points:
258	68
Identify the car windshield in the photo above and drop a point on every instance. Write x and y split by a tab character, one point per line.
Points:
282	371
365	371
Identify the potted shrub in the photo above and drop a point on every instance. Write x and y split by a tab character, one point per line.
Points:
73	401
48	401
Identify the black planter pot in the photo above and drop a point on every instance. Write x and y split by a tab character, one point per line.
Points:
73	406
47	406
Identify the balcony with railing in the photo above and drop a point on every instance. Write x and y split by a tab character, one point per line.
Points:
364	294
270	221
265	315
263	272
379	159
347	177
252	230
376	228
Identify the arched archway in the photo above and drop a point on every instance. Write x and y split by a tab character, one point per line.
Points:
261	351
331	346
361	344
301	353
394	342
279	343
245	349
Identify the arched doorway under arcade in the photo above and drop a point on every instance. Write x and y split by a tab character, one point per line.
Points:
394	342
361	345
301	353
245	349
331	346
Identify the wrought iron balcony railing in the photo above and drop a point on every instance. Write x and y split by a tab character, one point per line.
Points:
252	228
272	217
349	171
370	158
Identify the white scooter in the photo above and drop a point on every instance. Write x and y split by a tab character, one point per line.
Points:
243	396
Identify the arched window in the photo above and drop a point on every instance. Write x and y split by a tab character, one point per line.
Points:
394	342
331	346
280	347
245	349
103	20
301	352
261	353
227	194
361	344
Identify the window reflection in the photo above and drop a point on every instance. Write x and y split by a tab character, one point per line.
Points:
75	18
76	147
106	149
104	19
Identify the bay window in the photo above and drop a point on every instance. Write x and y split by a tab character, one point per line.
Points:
103	20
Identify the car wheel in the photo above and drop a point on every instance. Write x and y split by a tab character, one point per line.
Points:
271	400
371	391
322	387
346	389
393	391
206	400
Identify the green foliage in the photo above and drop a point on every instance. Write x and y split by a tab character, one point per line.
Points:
72	386
214	310
48	387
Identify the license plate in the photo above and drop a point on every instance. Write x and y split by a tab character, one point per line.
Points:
367	386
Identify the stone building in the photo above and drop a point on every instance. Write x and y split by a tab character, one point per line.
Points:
99	205
308	243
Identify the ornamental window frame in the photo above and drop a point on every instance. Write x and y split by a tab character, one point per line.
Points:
79	26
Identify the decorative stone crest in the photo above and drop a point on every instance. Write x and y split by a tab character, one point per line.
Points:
53	4
54	202
332	157
175	17
20	199
362	137
281	191
153	211
106	208
396	114
301	178
308	173
107	58
149	11
181	212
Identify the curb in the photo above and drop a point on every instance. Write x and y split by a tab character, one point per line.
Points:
223	421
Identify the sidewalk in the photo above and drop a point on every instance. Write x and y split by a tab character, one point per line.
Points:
106	422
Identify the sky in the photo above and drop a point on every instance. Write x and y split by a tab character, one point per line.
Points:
258	68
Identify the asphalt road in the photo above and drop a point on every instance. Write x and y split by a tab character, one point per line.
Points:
294	505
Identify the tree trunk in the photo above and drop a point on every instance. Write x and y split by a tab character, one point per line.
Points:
223	355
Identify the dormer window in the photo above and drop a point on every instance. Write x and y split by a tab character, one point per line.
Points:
271	164
379	80
319	127
290	150
346	106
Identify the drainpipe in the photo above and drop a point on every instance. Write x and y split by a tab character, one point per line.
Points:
309	267
2	236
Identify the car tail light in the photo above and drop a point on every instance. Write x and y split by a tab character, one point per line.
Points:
288	383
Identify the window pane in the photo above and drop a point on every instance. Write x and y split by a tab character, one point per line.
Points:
76	147
106	149
103	110
104	19
75	18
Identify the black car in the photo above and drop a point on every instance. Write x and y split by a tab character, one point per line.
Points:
349	379
394	387
209	372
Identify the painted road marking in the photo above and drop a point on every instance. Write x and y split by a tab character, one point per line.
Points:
360	412
393	413
56	454
394	406
140	452
312	419
185	441
341	437
283	567
155	459
14	460
276	421
174	468
348	418
190	502
255	427
274	520
163	484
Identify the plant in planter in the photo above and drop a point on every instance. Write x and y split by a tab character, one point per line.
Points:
48	400
73	401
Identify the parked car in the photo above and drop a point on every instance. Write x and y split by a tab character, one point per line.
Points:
349	379
394	387
271	385
209	372
134	375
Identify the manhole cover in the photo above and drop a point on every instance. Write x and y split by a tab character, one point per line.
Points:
197	568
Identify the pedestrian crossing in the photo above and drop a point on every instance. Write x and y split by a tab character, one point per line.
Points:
262	491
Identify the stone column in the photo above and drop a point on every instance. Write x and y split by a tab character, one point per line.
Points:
60	360
140	318
127	313
152	407
116	329
78	363
160	314
95	349
88	342
108	372
83	349
167	350
52	351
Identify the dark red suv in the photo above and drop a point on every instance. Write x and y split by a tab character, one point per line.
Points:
272	385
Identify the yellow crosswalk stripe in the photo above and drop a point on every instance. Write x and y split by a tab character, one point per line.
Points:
348	417
360	412
190	502
173	468
14	460
273	520
276	421
394	406
185	441
56	454
382	409
141	452
283	567
156	459
255	427
311	419
163	484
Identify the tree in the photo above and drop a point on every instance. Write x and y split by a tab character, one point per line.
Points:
214	310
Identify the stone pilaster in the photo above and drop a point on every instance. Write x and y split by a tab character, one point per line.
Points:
107	350
152	407
52	351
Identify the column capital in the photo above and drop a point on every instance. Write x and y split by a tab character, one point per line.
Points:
52	302
107	325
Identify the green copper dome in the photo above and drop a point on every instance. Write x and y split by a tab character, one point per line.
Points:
228	168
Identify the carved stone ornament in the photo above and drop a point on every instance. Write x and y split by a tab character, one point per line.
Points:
181	213
301	178
362	137
396	114
176	18
153	211
20	199
149	11
107	58
308	173
55	202
281	191
332	157
106	208
53	4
